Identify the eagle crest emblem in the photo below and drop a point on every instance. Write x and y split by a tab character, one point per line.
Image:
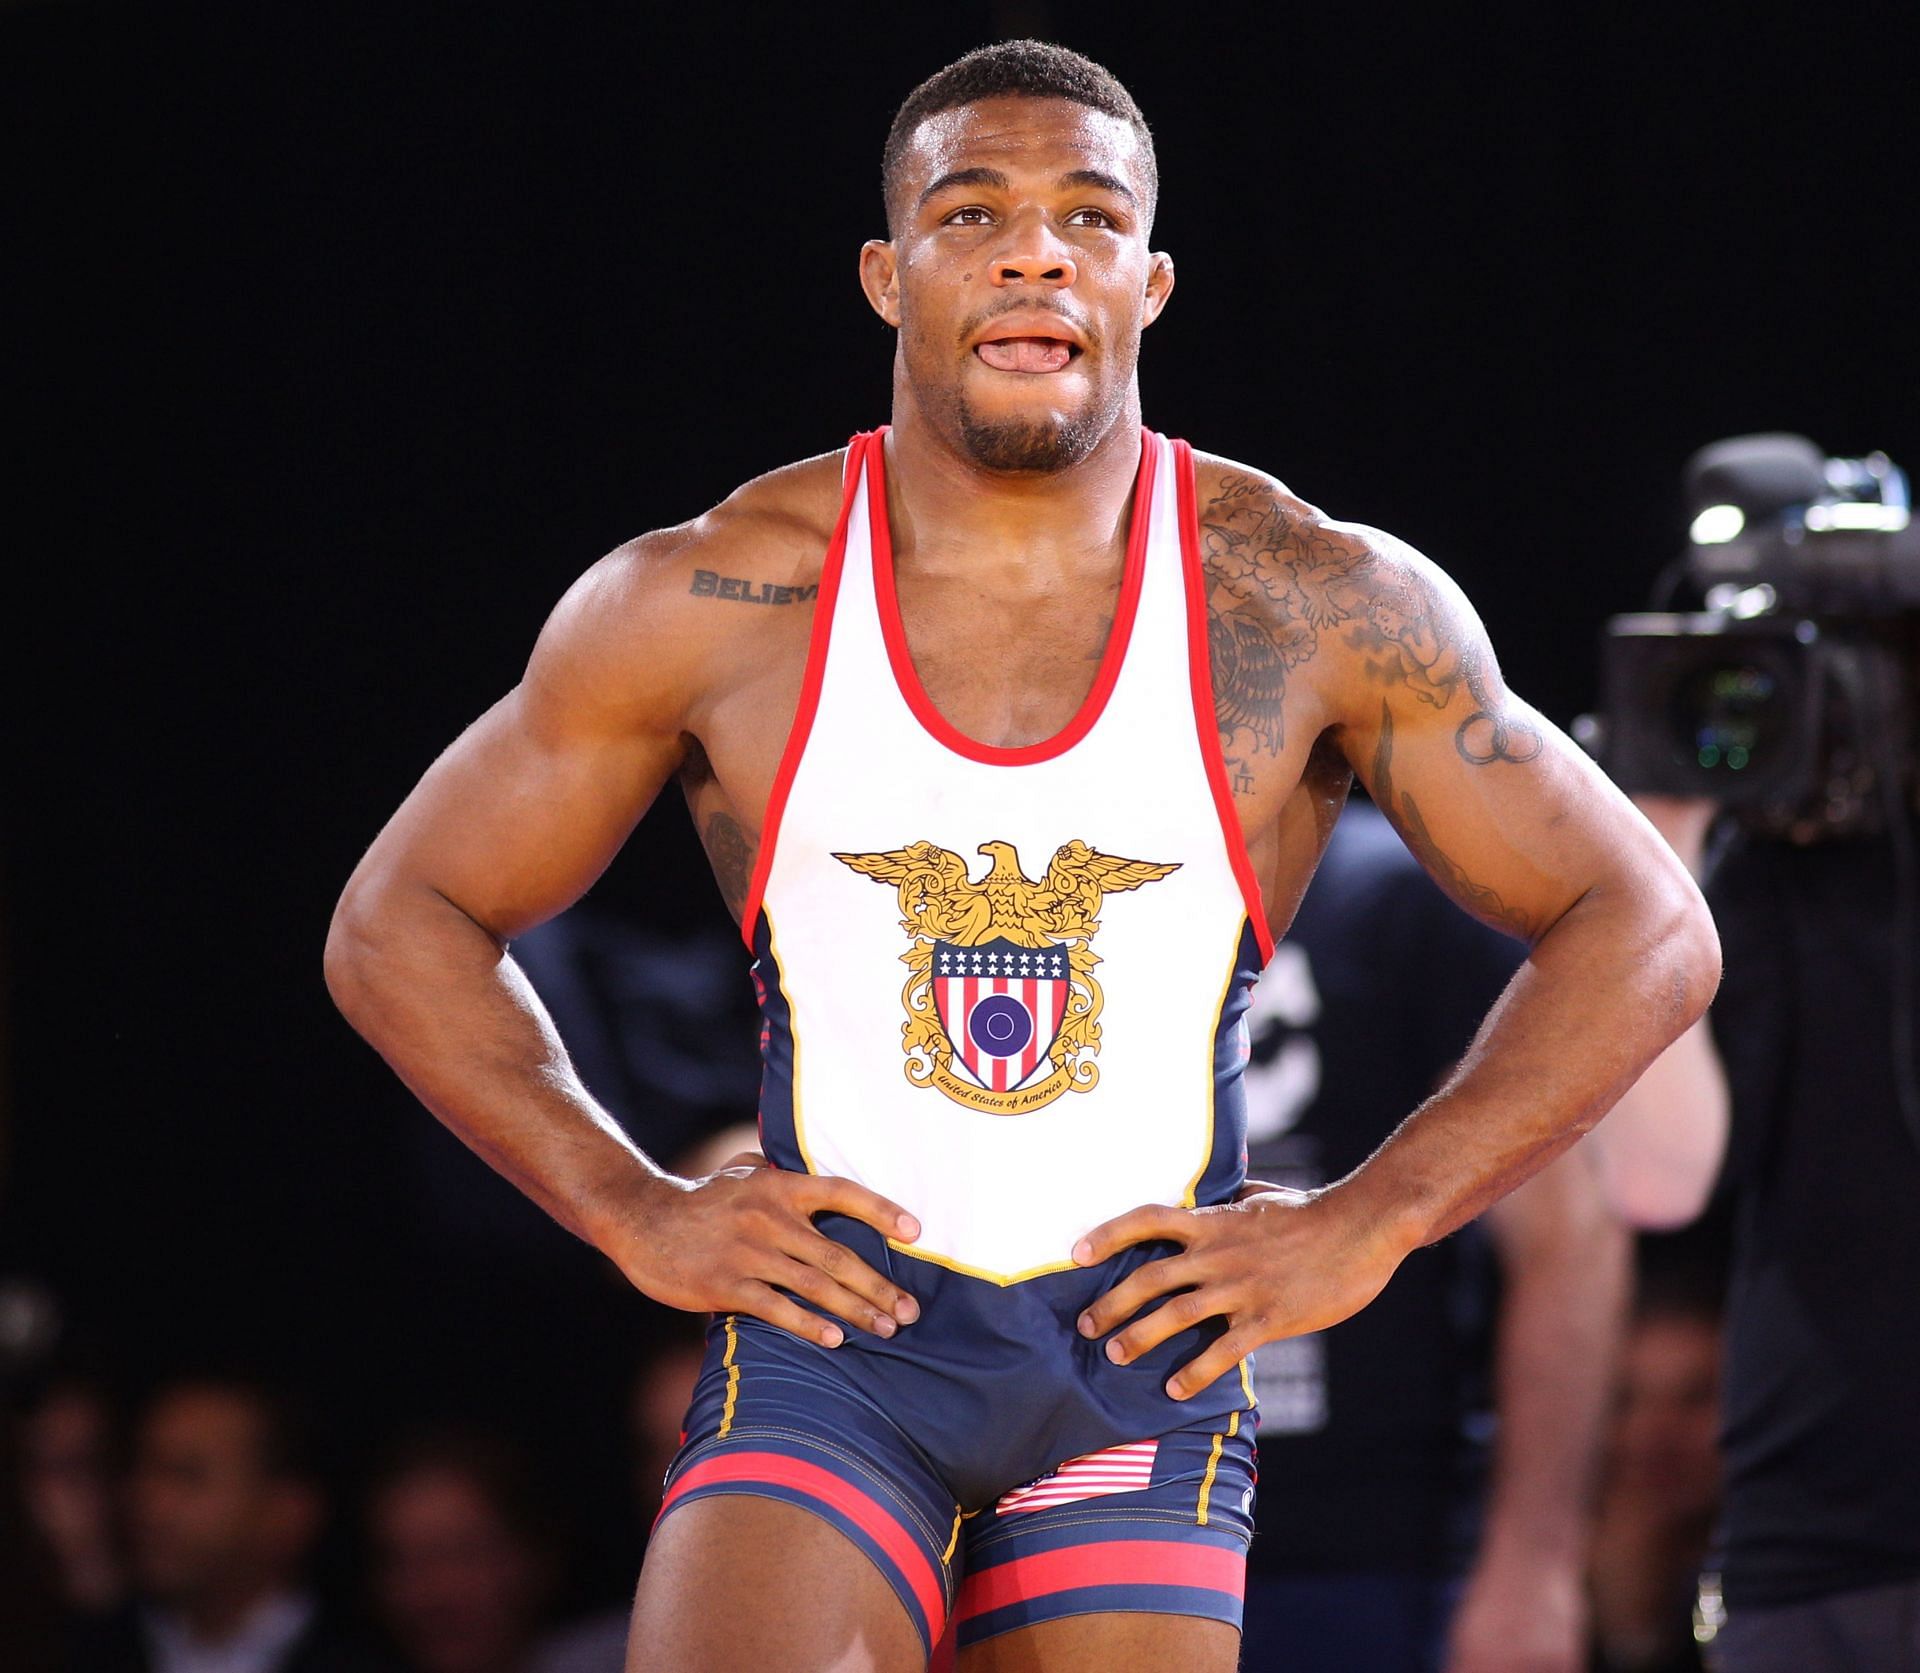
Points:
1003	1011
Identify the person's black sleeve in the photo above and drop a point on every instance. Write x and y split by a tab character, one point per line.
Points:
1752	1018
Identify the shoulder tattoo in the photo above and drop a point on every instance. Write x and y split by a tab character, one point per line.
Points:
1279	581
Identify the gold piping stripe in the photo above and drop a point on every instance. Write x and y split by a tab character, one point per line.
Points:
793	1033
733	1377
1246	1382
946	1556
1206	1153
1003	1279
1206	1484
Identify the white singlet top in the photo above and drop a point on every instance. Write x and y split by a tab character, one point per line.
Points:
1003	986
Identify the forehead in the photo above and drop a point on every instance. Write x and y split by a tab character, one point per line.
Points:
1013	132
203	1419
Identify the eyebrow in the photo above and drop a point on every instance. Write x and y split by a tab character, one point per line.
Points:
993	177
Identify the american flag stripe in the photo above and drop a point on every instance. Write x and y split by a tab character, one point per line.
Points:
1000	1063
1045	1001
1055	996
1118	1469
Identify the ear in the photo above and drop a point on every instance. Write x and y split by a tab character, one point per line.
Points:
1159	285
880	279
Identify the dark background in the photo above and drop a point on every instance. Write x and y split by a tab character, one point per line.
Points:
343	336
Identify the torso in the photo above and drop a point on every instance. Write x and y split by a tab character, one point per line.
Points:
1287	775
1003	931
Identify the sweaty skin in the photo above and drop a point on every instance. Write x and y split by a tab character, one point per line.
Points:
1019	280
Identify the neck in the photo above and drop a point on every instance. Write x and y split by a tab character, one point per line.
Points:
943	509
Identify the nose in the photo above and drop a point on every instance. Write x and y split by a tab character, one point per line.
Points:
1033	255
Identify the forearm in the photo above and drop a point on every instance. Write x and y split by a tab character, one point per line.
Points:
1565	1290
441	1000
1660	1150
1606	989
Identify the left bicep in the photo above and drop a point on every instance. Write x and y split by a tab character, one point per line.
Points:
1503	809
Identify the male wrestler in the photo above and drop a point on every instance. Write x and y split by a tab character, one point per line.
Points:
945	1376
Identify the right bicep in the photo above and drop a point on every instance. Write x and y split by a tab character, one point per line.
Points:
519	816
513	823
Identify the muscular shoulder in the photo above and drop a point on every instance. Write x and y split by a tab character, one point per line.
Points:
1310	614
648	630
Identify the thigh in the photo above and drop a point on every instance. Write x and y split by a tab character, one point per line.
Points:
781	1435
738	1581
1109	1644
1132	1557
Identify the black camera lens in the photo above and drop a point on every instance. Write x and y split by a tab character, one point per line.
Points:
1726	717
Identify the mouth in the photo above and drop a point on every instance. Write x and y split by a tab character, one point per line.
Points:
1028	354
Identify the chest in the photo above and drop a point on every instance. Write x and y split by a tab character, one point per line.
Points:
1005	667
1004	661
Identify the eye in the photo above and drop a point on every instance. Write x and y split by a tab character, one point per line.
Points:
1101	217
970	209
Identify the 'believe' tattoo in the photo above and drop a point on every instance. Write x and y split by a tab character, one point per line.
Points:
706	584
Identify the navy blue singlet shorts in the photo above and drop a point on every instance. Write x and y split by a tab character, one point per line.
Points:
947	1483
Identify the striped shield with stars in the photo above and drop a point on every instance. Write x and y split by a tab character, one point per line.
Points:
1001	1006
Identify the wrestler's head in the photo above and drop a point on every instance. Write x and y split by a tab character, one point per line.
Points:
1020	187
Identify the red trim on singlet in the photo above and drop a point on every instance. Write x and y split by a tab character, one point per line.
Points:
1200	666
816	669
867	1514
901	657
1113	1562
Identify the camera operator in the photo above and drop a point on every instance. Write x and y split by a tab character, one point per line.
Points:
1796	1096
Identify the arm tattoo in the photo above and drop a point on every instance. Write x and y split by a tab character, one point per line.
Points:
1488	735
707	584
731	852
1276	582
1405	812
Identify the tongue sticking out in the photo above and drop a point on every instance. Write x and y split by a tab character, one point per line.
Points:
1026	354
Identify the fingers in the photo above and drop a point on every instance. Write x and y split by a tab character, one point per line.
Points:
762	1301
848	1272
1224	1356
1137	1225
817	1287
775	1243
1126	1298
1183	1312
822	1195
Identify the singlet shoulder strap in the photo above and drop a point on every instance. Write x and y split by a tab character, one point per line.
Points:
831	568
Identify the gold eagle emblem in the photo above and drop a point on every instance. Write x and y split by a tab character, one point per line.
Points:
1002	1006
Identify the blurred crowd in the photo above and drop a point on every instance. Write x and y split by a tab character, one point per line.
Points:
206	1520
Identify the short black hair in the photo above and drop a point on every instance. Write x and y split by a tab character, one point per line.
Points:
1027	69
